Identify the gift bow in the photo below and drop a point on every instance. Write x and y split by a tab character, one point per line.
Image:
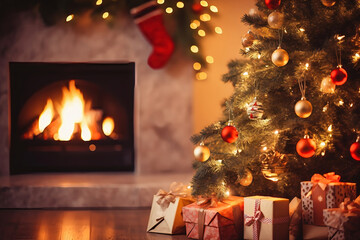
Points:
206	202
176	190
351	206
323	180
326	178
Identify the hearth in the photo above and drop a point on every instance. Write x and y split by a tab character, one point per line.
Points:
71	117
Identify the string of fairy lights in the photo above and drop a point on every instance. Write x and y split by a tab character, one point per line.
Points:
203	14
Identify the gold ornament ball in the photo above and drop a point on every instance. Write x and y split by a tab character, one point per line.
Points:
247	40
201	153
327	85
303	108
276	20
247	179
280	57
328	3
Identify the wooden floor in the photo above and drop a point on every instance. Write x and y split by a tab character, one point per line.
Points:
77	224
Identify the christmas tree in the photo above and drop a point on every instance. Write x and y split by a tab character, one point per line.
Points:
295	110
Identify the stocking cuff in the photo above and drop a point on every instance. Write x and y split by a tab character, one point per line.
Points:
145	11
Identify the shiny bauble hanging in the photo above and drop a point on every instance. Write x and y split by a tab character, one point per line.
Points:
229	133
355	151
248	40
272	4
201	153
276	20
328	3
327	86
255	110
303	108
306	147
246	179
280	57
197	8
339	76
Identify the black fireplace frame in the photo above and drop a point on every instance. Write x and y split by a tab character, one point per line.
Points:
74	156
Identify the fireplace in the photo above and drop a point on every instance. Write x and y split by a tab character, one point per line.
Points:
71	117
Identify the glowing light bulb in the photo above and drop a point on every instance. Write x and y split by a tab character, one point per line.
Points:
205	17
201	33
197	66
204	3
70	17
218	30
322	144
276	132
322	153
246	74
201	76
265	148
105	15
340	37
98	2
209	59
227	193
307	66
356	57
351	104
160	1
193	25
219	161
259	56
180	4
341	102
169	10
194	49
302	29
329	128
214	9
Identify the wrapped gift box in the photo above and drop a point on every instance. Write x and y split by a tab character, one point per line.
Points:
344	222
266	218
316	196
223	221
165	215
342	225
295	226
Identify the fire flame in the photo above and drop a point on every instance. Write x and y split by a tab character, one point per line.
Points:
71	118
72	112
46	116
108	126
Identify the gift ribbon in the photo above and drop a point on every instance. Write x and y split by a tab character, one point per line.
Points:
318	193
259	218
176	190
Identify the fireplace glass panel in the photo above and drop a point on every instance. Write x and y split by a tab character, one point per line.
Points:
69	117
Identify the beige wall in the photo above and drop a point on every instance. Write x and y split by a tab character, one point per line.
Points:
209	94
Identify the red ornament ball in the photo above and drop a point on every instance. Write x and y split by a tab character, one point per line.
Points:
306	147
197	8
338	76
355	151
272	4
229	134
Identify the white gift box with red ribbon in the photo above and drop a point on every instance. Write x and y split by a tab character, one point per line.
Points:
266	218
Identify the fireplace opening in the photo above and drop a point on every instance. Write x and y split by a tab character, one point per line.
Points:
68	117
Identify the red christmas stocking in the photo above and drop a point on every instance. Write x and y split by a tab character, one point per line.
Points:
149	19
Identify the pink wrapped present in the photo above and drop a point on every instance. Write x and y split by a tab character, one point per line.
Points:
223	221
323	192
344	222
